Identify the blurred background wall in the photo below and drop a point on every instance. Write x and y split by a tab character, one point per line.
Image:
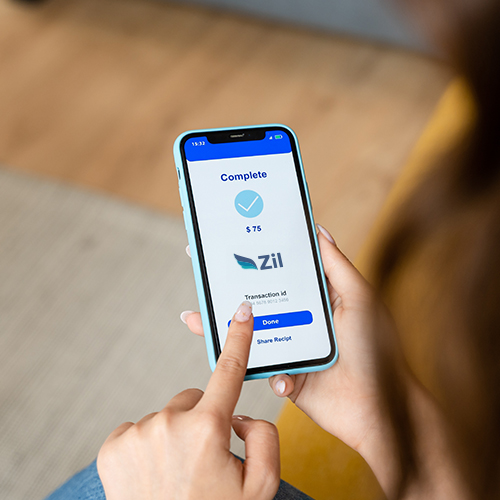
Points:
381	20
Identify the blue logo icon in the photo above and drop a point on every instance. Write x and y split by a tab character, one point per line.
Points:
249	204
245	262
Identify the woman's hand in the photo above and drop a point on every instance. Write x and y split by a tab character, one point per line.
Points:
344	399
182	452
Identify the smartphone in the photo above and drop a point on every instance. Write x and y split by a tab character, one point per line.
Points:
252	237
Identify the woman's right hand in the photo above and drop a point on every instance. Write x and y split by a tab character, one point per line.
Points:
345	399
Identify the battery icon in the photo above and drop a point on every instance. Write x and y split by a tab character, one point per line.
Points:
278	137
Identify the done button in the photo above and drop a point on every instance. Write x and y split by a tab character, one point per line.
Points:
282	320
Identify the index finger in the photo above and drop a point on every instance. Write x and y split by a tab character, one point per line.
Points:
224	387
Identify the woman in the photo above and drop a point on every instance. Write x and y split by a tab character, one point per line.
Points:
418	444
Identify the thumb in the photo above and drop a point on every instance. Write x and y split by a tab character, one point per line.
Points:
346	280
262	451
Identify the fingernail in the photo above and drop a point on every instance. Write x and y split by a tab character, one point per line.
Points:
184	315
244	312
241	417
280	386
188	251
326	234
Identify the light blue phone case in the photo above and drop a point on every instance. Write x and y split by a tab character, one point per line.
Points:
188	222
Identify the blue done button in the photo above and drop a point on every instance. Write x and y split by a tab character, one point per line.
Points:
282	320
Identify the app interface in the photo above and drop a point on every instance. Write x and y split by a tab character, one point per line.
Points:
256	245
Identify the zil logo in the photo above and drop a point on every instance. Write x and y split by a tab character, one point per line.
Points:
247	263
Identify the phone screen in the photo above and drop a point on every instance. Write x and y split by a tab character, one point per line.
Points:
256	243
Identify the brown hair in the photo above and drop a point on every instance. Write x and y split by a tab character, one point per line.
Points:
449	230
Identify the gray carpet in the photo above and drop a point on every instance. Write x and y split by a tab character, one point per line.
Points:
90	294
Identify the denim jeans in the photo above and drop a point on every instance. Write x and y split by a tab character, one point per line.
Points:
86	485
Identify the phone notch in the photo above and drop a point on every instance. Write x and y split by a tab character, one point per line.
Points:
236	136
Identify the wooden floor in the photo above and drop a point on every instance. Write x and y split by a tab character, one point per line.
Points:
95	92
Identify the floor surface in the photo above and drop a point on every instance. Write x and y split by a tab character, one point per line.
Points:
96	91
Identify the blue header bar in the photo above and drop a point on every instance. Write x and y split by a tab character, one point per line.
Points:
275	142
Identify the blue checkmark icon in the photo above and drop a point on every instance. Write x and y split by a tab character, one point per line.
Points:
249	204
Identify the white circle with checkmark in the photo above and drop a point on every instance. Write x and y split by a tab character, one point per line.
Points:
249	203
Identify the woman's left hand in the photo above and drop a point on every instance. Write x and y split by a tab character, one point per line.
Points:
182	452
